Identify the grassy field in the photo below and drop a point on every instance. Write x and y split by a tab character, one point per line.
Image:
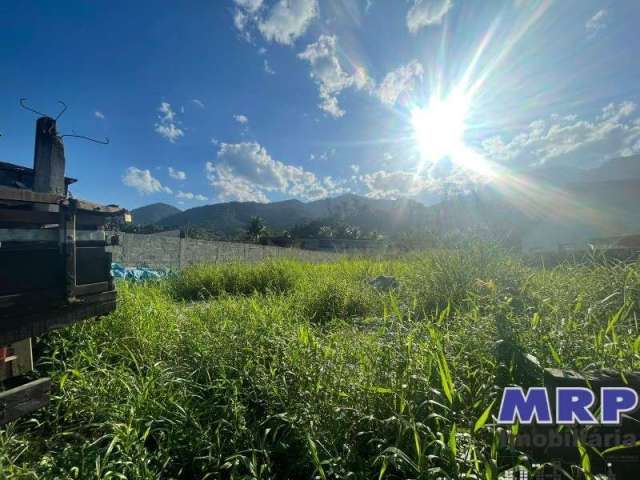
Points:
292	370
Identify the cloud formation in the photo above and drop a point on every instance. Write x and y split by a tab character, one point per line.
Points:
177	174
190	196
241	119
99	114
399	82
570	140
283	22
167	123
267	68
597	23
143	181
557	140
394	184
427	12
246	172
329	75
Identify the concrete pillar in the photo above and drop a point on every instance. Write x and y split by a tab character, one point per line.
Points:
48	161
182	246
48	158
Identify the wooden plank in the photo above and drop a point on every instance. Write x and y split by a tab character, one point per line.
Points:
22	400
20	362
21	215
90	288
83	205
22	195
47	235
93	264
69	248
90	219
24	270
47	298
38	322
23	363
31	300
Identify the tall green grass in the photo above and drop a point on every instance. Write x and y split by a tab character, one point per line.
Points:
292	370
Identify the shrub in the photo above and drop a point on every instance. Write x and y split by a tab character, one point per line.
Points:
204	281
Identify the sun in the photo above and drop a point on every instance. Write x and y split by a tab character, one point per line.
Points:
440	125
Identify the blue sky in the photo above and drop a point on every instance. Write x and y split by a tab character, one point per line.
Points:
208	101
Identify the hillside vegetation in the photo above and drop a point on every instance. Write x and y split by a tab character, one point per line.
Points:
291	370
537	208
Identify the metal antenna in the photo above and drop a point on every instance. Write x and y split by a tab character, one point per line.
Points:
22	104
26	107
73	135
64	109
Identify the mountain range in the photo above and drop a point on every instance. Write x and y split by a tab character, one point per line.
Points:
230	218
548	205
153	213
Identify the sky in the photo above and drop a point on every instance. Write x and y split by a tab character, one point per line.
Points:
265	100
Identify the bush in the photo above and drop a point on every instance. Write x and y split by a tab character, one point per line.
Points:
204	281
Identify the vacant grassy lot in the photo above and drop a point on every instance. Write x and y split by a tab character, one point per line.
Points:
291	370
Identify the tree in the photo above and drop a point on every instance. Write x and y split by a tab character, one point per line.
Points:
256	229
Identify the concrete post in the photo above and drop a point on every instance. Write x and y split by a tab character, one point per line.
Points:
181	252
48	161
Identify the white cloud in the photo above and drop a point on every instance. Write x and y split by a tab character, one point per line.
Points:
329	75
177	174
214	141
267	68
167	124
167	113
287	20
396	184
428	183
571	140
143	181
368	5
427	12
597	23
283	22
250	6
191	196
241	119
170	132
246	172
324	156
232	188
399	81
99	114
198	103
355	168
240	20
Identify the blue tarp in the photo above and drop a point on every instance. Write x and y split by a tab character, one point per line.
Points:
137	273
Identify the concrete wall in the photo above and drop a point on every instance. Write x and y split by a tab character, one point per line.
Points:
159	251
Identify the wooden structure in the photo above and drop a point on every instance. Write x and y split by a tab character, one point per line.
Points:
55	269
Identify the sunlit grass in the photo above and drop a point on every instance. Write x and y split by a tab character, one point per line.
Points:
293	370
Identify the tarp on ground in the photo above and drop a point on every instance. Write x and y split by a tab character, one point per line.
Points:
137	273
